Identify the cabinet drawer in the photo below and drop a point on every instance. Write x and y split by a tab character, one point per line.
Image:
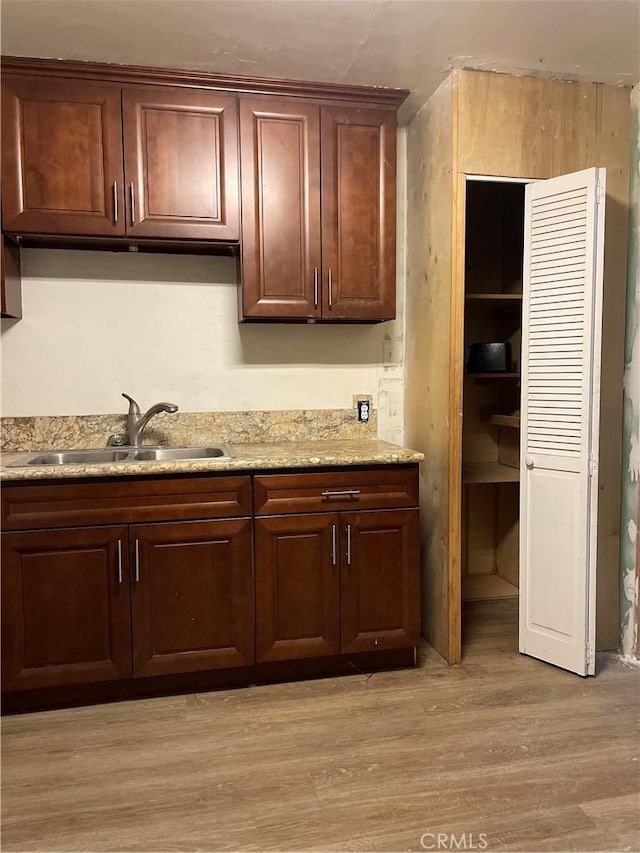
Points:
66	504
278	494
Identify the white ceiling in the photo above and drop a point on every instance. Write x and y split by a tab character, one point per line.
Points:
404	43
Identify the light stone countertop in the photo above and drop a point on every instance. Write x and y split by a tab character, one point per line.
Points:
246	457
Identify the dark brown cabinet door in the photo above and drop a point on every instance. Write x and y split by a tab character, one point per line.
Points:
65	607
358	213
280	156
181	163
191	596
297	587
10	279
380	591
62	157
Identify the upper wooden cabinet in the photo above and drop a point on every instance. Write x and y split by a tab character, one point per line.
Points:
61	157
181	163
318	200
10	279
82	158
358	213
116	157
280	155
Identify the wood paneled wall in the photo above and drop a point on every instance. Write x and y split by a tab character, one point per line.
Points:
613	140
523	127
430	255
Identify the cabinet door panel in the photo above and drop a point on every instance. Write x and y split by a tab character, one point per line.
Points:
192	596
391	487
29	505
10	279
297	588
65	607
358	213
61	157
181	163
280	155
380	591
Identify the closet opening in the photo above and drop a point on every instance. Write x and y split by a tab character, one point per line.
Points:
494	243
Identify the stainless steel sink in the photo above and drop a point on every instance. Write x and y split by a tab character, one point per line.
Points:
168	454
130	454
78	457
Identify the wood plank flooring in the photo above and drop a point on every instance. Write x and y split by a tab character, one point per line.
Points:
529	756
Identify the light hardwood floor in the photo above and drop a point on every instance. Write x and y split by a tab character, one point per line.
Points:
504	745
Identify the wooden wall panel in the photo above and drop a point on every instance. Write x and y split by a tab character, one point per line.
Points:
480	439
430	145
527	127
532	127
479	533
613	152
508	532
495	124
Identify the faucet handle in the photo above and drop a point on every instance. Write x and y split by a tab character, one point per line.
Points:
134	408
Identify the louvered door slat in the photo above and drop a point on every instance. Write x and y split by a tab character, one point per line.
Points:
556	243
546	231
562	285
557	200
541	279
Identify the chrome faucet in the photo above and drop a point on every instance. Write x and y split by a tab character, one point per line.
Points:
136	422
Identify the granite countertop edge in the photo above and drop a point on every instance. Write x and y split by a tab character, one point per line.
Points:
246	457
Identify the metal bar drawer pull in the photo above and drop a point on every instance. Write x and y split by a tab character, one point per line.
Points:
119	560
137	561
342	493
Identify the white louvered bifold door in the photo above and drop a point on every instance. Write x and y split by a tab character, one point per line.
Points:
562	319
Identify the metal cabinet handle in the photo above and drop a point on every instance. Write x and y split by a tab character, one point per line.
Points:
334	556
348	544
132	201
340	493
137	560
119	560
315	287
115	202
330	277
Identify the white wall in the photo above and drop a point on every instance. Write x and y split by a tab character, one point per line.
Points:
165	327
629	568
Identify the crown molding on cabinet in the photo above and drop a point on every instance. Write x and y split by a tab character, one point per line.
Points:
28	66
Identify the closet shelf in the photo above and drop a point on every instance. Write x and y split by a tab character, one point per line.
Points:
493	375
489	472
512	421
494	297
487	587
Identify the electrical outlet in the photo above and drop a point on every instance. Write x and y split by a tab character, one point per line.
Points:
364	410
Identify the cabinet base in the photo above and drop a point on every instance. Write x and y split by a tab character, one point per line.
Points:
196	682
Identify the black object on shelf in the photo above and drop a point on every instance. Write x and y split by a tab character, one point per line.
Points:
489	357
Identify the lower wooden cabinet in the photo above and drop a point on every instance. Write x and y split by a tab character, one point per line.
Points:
331	583
191	596
65	607
297	587
118	580
100	603
379	580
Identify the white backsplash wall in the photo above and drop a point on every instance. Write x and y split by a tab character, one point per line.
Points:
390	394
165	327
